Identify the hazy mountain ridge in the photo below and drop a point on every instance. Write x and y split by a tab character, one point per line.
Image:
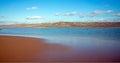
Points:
65	24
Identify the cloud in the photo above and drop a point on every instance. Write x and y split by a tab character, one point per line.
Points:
75	13
57	14
117	20
109	11
98	12
34	17
68	14
2	16
32	8
102	19
71	13
95	13
82	15
117	14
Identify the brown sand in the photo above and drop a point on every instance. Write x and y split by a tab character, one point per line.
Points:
24	49
14	48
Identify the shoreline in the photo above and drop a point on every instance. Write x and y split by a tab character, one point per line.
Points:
26	36
59	27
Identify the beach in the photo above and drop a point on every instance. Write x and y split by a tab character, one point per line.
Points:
21	49
27	49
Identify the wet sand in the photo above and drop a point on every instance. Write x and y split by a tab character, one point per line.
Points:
24	49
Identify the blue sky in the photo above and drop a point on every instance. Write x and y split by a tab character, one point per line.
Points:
47	11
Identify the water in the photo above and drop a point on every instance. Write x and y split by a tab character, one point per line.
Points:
87	41
75	37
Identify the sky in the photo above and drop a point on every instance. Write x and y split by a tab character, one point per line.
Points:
49	11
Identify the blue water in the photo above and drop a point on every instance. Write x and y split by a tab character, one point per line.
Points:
88	42
70	36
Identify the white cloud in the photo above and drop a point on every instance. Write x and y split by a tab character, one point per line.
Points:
109	11
71	13
92	14
67	14
75	13
86	15
117	14
57	14
97	12
83	15
32	8
34	17
102	19
117	20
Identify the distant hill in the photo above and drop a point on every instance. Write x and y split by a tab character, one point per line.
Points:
66	24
